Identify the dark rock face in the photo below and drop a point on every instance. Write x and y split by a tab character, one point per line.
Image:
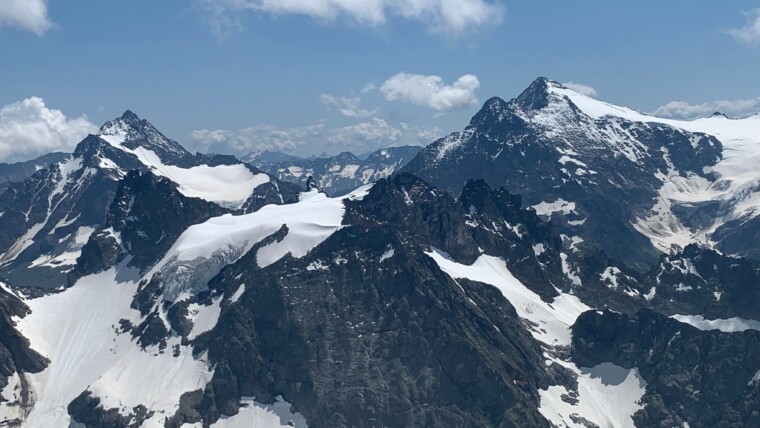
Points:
361	343
273	192
541	146
418	209
486	221
368	311
739	236
503	227
335	175
146	217
62	202
705	378
16	356
14	347
703	281
86	410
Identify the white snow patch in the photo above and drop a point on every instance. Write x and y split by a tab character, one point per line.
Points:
70	255
236	295
538	249
387	255
257	415
549	208
229	185
349	171
204	318
610	275
548	323
317	265
754	379
567	269
77	330
608	396
730	325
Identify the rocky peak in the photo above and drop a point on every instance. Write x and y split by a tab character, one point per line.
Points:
417	208
535	96
491	112
131	132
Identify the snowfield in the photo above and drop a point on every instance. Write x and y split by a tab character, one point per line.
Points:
204	249
86	352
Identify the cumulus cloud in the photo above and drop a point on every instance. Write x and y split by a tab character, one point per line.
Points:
450	17
29	128
430	91
365	136
426	136
581	89
28	15
368	135
684	110
377	133
254	139
750	33
347	106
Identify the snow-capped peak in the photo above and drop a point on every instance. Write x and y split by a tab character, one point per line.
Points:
129	131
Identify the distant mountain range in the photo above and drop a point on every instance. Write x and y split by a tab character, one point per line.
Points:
20	171
335	175
561	262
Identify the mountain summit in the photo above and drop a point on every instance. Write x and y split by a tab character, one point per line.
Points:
131	132
597	170
50	216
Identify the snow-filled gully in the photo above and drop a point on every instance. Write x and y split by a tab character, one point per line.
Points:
607	395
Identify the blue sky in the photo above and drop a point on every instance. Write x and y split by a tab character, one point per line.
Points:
308	76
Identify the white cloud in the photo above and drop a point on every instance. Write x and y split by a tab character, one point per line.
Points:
28	15
429	135
28	129
749	34
429	91
684	110
254	139
450	17
362	137
369	87
377	133
581	89
369	135
347	106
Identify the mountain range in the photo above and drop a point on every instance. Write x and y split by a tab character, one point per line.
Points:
560	262
335	175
